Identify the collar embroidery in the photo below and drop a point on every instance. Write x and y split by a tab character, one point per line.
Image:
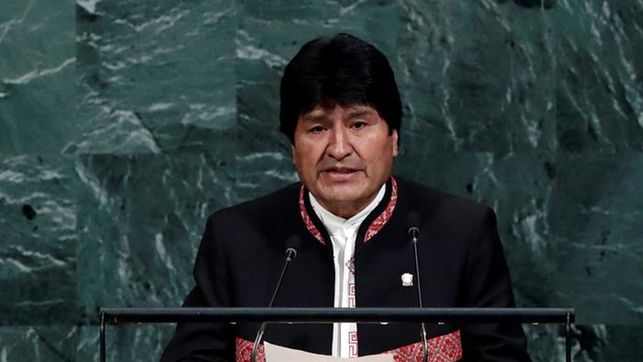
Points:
383	218
306	218
373	228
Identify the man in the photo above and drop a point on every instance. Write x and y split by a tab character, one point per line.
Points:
341	110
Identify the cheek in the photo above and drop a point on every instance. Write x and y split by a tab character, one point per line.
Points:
310	152
376	148
304	158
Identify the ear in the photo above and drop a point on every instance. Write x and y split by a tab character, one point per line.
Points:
395	140
292	152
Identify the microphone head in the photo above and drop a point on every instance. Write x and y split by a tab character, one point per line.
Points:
292	245
413	219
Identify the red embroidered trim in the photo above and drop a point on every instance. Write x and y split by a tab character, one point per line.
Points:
243	351
373	229
307	220
383	218
351	265
351	295
352	344
446	348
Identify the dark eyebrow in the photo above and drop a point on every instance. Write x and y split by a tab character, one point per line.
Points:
356	110
359	112
309	117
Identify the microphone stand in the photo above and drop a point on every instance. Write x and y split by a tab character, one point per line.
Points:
414	232
291	253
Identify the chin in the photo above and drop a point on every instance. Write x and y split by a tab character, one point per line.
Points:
344	196
342	191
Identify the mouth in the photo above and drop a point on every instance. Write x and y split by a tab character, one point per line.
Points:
341	169
340	173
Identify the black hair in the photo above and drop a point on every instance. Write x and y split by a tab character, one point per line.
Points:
342	69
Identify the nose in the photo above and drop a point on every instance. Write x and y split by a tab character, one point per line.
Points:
339	146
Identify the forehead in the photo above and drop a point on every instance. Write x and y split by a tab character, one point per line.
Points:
321	111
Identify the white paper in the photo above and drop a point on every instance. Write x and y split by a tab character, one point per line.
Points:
275	353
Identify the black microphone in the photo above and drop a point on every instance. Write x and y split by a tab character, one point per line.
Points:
293	243
414	233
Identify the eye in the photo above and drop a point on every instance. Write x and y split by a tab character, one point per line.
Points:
316	129
358	124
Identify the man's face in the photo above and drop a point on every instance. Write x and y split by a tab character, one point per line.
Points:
343	155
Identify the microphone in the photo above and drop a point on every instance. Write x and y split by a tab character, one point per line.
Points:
414	233
293	243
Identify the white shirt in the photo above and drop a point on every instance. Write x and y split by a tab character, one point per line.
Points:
343	233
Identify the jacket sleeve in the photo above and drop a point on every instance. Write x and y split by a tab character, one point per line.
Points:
205	341
488	284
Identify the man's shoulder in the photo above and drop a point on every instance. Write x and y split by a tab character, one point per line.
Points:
451	220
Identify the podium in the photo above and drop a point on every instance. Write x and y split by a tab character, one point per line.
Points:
115	316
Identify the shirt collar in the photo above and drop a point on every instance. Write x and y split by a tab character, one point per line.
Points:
334	223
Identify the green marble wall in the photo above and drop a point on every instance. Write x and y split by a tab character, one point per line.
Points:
123	124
